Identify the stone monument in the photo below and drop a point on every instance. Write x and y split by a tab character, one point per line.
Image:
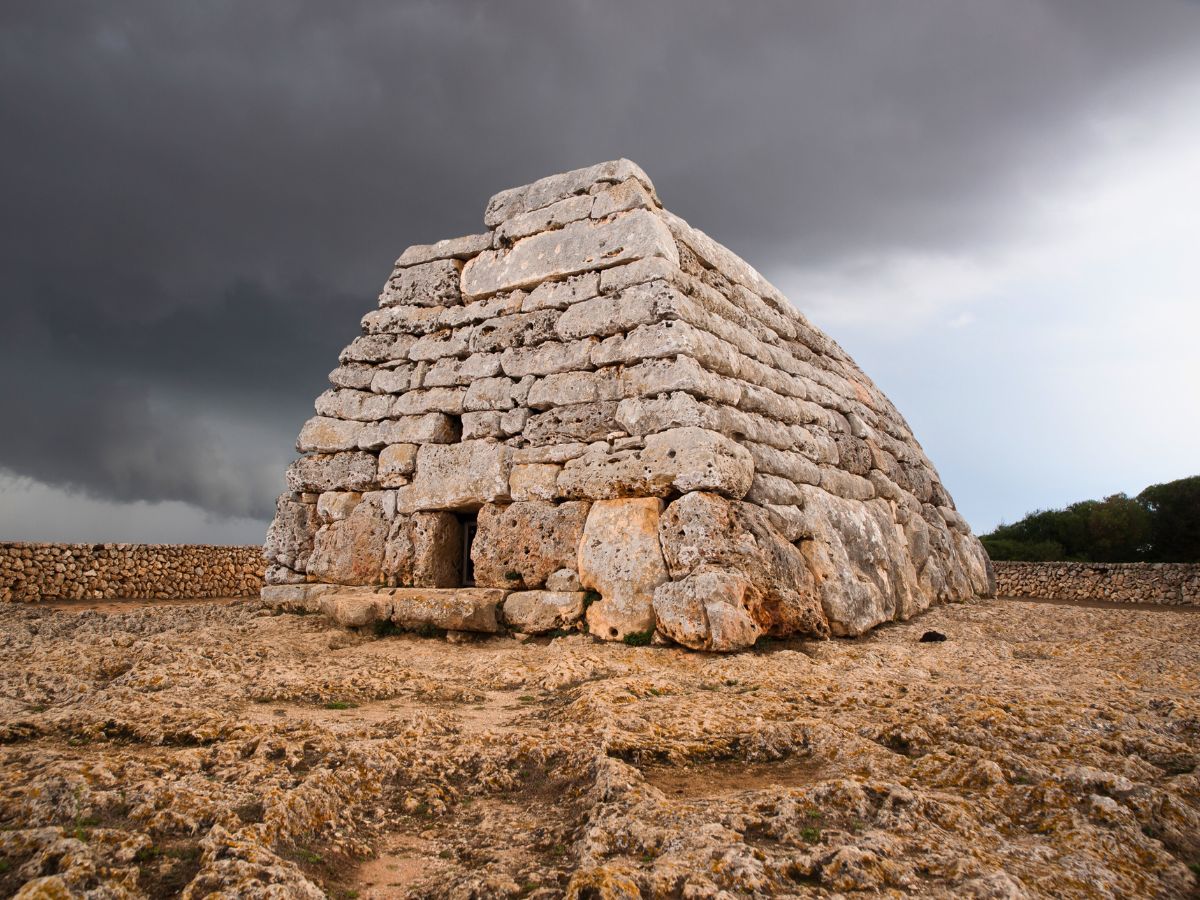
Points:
595	416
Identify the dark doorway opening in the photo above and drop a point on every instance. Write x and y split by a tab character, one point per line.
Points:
470	526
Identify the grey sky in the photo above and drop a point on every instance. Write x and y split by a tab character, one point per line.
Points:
200	201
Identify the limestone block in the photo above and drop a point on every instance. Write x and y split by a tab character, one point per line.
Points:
322	434
514	421
618	198
707	611
461	476
454	248
579	247
431	428
548	218
562	294
360	406
620	557
295	597
768	403
661	376
792	466
289	540
486	424
478	311
554	453
490	393
429	284
542	193
437	550
914	479
349	471
549	358
847	486
397	461
399	558
563	580
433	400
354	610
519	545
451	372
537	612
369	348
775	491
534	482
454	609
853	454
353	375
334	506
393	381
351	551
886	488
681	460
406	321
672	338
952	518
847	555
521	330
624	311
701	530
276	574
440	344
569	388
584	422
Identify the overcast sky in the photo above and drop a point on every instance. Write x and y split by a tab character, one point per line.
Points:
994	207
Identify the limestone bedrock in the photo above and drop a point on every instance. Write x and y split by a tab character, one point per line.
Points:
562	379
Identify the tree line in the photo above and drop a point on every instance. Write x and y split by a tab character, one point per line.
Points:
1161	524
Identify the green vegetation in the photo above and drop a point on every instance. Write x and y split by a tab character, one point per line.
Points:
339	704
812	835
639	638
1161	524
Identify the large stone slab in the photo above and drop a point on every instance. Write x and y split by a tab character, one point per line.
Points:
680	460
321	434
461	476
620	558
579	247
581	422
546	191
537	612
452	248
431	428
707	611
434	283
461	609
356	609
424	550
361	406
349	471
289	540
295	597
517	546
350	551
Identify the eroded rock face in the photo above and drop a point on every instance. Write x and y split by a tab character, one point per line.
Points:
621	559
352	471
708	610
460	476
350	551
539	612
519	545
290	537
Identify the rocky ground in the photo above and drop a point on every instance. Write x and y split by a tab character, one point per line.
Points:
228	750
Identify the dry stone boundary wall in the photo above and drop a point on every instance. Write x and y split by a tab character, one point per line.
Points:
30	572
1166	584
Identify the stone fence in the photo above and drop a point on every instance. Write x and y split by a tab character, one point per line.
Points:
30	572
1167	584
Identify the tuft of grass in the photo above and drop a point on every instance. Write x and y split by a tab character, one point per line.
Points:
339	704
812	835
557	633
815	814
1195	867
36	709
638	638
589	598
764	643
525	698
351	895
427	631
445	854
386	628
558	850
512	576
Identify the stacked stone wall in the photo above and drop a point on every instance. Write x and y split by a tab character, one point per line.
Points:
628	408
1165	584
30	572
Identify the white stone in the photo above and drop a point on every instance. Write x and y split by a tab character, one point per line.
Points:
461	476
537	612
429	284
322	434
453	248
620	558
534	482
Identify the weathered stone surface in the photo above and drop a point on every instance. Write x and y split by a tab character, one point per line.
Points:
393	381
546	191
277	574
707	611
583	422
458	609
450	372
290	537
548	218
549	358
552	453
353	375
369	348
672	338
562	294
453	248
295	597
631	193
431	428
853	454
361	406
490	394
437	550
461	476
701	530
396	463
847	486
681	460
433	400
519	545
333	506
537	612
579	247
784	463
564	580
620	557
324	435
534	482
351	551
660	376
351	471
484	424
441	344
511	332
771	490
428	284
354	610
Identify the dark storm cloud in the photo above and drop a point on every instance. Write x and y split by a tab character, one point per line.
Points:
200	200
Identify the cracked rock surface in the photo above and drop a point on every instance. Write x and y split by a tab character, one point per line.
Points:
233	751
